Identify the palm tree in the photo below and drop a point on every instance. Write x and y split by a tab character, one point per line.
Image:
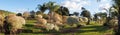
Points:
42	8
117	2
117	6
52	7
113	11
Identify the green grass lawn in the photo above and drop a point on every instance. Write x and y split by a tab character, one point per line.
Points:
92	29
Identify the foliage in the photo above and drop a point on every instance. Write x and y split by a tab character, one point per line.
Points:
76	13
64	11
113	11
32	14
19	14
52	7
101	14
38	12
42	8
85	13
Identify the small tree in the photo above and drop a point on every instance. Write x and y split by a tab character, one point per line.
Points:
95	17
19	14
63	11
38	12
32	14
86	13
76	13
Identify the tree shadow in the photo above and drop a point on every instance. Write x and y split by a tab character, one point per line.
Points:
29	25
70	30
63	31
95	29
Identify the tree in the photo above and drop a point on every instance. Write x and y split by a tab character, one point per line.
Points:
102	15
76	13
63	11
38	12
86	13
19	14
52	7
113	11
95	17
117	5
42	8
117	2
32	14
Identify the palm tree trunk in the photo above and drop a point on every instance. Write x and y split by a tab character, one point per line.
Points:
118	30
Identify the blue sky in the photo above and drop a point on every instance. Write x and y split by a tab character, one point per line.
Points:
73	5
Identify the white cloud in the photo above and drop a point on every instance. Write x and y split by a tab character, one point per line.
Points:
75	5
105	4
21	10
103	11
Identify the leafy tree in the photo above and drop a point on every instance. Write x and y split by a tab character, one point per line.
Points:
117	3
95	17
76	13
38	12
86	13
117	6
113	11
63	11
19	14
102	14
32	14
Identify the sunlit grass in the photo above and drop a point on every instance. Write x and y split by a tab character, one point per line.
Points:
92	29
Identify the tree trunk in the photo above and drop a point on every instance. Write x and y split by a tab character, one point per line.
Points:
118	30
88	21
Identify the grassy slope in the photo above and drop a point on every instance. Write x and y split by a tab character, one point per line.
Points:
6	12
93	29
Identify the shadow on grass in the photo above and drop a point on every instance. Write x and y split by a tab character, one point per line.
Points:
53	32
29	25
95	29
28	28
72	30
